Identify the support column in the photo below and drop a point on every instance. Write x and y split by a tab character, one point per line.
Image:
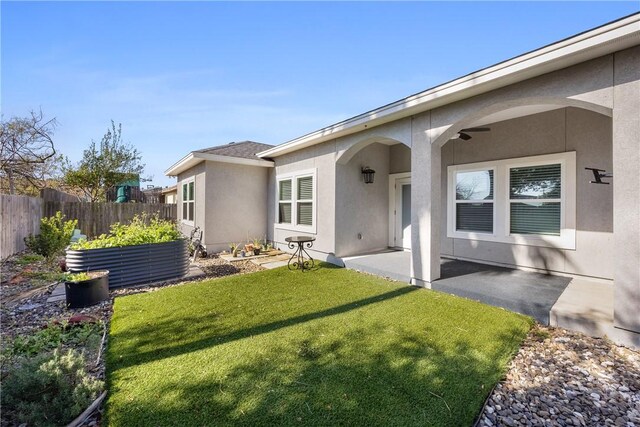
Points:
626	189
425	203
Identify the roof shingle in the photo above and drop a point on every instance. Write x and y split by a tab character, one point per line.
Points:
244	149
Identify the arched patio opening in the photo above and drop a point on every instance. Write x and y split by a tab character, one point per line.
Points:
366	218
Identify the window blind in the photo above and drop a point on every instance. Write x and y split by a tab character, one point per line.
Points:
285	189
535	182
305	188
285	213
535	218
474	217
528	187
474	201
305	213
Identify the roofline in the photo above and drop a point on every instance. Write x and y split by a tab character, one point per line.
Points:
169	189
194	158
611	37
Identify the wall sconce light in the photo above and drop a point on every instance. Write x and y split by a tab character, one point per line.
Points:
368	173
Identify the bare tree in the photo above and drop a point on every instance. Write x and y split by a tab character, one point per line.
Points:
27	152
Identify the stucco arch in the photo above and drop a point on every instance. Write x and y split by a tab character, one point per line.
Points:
346	155
443	134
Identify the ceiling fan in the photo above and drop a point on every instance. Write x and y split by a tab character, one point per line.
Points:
464	133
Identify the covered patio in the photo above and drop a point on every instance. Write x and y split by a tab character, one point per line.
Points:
533	294
576	303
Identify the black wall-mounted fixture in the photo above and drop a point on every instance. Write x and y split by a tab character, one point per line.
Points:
598	174
368	174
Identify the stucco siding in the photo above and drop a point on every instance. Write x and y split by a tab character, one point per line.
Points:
626	156
399	158
321	159
362	210
566	129
236	204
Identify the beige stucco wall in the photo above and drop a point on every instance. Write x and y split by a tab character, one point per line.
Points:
567	129
236	204
399	158
362	211
320	158
626	156
230	203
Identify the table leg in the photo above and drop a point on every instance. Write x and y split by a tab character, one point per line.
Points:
298	254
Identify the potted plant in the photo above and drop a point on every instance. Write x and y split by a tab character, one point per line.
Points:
86	288
248	248
256	246
233	248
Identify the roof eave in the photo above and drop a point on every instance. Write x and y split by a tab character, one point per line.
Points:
609	38
194	158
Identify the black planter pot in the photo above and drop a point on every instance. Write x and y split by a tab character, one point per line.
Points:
87	292
256	251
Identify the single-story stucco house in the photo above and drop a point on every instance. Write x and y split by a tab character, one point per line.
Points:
223	190
489	168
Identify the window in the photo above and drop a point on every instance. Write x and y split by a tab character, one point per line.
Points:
188	201
296	201
284	210
304	201
529	201
474	201
534	199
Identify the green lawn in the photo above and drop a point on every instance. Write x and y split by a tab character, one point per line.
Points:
327	347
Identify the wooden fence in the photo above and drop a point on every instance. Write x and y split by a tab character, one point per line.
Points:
96	218
19	216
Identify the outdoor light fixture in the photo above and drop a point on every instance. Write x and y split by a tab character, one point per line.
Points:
368	173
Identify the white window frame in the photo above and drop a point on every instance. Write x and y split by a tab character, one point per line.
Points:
501	201
294	176
493	201
183	201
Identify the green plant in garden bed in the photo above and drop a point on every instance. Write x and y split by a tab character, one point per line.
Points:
49	390
141	230
29	259
327	347
55	235
47	276
77	277
53	336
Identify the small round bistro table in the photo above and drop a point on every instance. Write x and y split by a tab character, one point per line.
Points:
299	263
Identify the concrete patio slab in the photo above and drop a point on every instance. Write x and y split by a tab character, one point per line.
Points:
395	265
533	294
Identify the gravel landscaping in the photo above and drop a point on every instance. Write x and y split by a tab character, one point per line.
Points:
563	378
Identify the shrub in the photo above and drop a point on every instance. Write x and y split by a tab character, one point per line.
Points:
138	232
55	235
49	391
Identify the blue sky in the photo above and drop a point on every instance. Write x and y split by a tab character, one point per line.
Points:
183	76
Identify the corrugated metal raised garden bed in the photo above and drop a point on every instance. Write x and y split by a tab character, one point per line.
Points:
134	265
